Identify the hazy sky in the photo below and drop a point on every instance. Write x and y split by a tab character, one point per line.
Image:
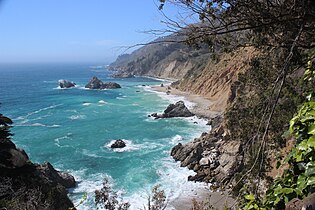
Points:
73	30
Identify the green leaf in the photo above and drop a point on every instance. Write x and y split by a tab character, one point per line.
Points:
301	182
311	181
303	145
310	171
311	129
250	197
311	141
287	190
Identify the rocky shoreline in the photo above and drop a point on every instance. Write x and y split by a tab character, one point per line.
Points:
211	156
27	185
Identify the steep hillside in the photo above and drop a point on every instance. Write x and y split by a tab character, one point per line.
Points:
215	79
197	71
241	85
169	60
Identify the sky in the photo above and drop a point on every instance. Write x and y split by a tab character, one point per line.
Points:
74	30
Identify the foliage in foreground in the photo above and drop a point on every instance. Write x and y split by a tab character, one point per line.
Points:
298	181
107	198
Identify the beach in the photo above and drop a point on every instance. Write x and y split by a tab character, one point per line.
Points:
200	104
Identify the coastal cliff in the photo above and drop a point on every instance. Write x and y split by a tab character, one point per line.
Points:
239	85
196	71
171	60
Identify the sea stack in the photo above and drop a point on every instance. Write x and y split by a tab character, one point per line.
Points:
174	110
118	144
96	83
66	84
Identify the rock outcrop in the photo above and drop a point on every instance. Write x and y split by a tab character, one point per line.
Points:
174	110
66	84
25	185
118	144
212	157
96	83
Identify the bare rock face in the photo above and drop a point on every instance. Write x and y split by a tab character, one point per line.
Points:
10	156
66	84
213	158
53	175
174	110
96	83
25	185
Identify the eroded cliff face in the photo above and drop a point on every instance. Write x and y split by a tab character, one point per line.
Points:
196	71
215	79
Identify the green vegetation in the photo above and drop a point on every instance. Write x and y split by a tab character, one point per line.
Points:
5	125
107	198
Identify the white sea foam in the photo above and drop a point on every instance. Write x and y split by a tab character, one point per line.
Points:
176	139
40	110
90	153
120	98
62	138
199	121
159	79
77	117
173	180
102	102
87	184
24	124
53	126
86	104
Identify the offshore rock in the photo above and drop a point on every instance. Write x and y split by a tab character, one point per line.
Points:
174	110
96	83
118	144
66	84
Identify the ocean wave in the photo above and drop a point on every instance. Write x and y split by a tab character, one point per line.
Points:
102	102
77	117
43	109
159	79
198	121
87	184
176	139
171	98
173	180
86	104
24	124
66	137
90	153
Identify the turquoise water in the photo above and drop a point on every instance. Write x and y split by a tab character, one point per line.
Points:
73	128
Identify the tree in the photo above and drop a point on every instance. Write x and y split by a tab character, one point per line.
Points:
283	27
5	125
266	22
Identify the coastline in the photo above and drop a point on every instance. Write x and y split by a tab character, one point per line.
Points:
203	195
200	105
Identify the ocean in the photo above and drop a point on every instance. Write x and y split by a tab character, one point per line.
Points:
73	129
